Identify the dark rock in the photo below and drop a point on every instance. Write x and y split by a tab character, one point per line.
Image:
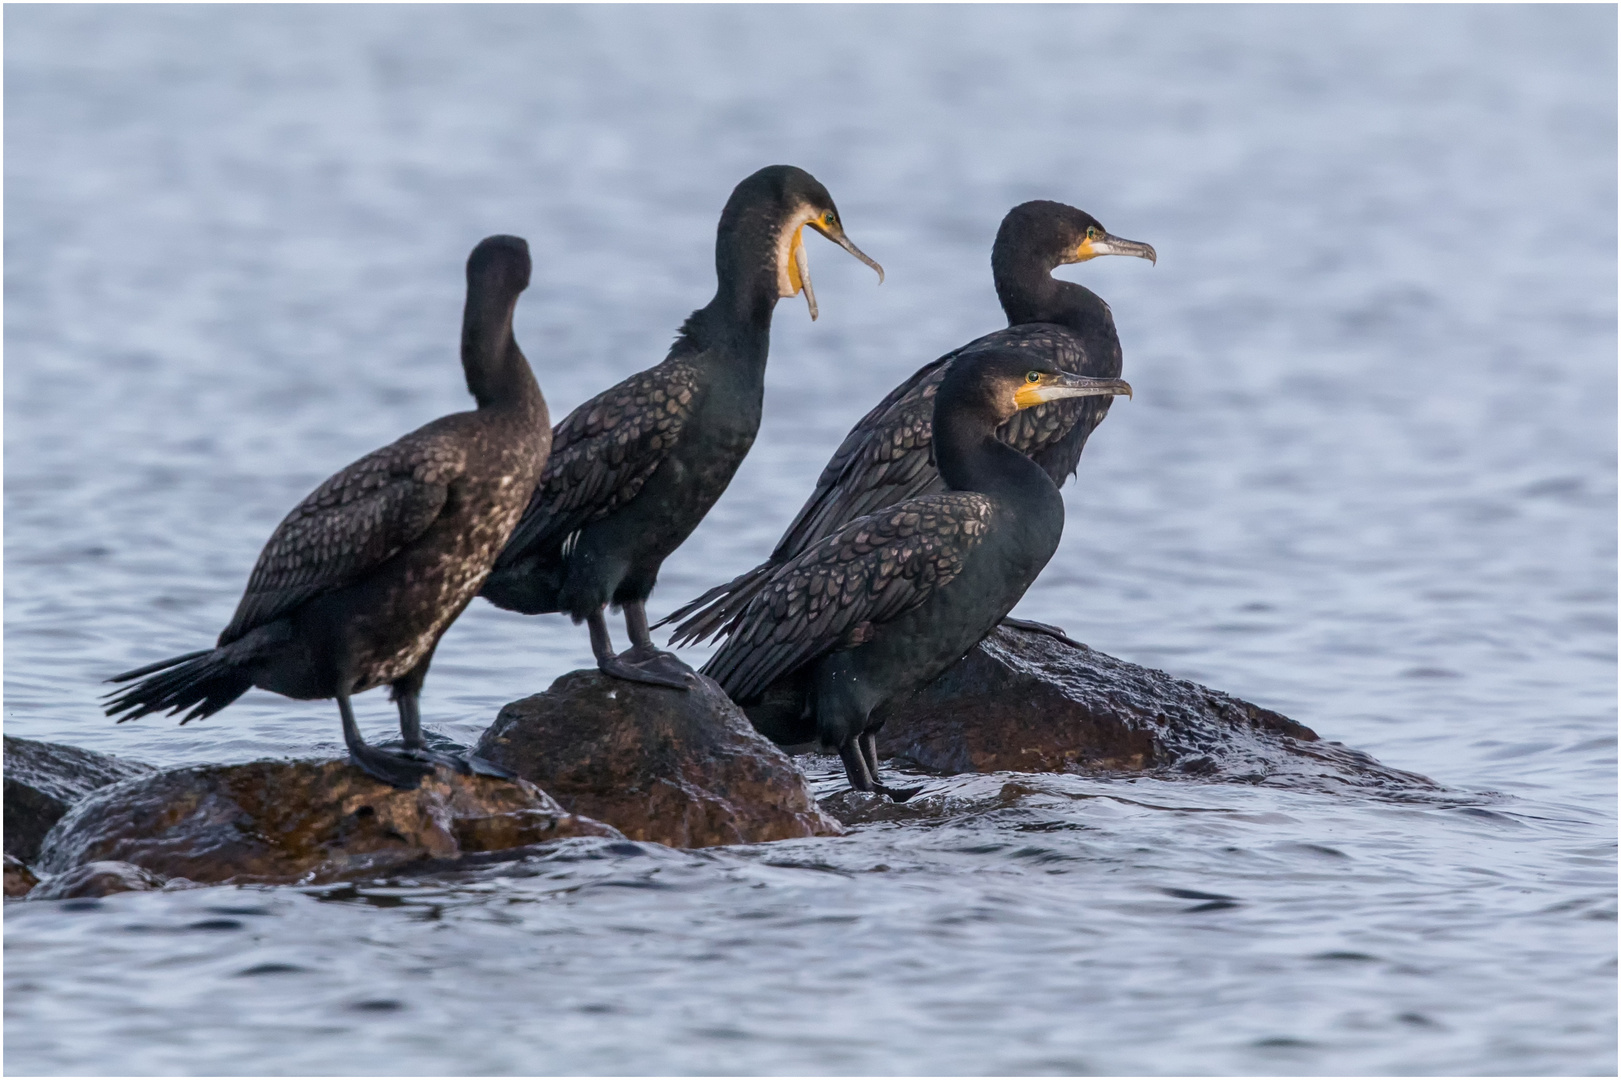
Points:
19	879
1024	701
676	767
44	779
276	822
97	879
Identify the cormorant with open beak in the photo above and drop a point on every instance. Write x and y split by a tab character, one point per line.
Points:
635	469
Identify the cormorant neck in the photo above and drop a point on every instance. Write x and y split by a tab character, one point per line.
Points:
745	286
498	375
971	458
733	327
1030	294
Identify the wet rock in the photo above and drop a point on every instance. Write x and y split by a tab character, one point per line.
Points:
276	822
97	879
44	779
1024	701
676	767
19	879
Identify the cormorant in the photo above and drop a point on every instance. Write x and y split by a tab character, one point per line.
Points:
635	469
886	458
358	583
892	599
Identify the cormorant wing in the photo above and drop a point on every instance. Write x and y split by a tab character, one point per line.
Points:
888	456
884	460
833	595
352	523
604	451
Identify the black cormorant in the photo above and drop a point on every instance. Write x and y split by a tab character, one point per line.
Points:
892	599
358	583
635	469
885	458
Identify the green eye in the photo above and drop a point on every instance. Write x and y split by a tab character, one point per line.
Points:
829	219
1092	232
1033	377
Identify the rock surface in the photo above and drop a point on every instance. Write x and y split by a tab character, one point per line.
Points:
97	879
276	822
19	878
44	779
1024	701
676	767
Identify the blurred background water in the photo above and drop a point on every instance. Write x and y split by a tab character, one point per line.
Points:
1368	480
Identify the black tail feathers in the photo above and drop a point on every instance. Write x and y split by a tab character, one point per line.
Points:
712	614
201	679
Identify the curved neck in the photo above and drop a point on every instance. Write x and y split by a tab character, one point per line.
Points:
745	280
734	328
1030	294
971	458
498	376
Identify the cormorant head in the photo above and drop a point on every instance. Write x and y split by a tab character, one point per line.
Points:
772	208
1006	380
1054	235
499	265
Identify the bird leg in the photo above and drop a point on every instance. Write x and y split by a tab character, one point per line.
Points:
398	770
855	766
642	650
410	718
642	662
416	749
868	741
856	754
1041	628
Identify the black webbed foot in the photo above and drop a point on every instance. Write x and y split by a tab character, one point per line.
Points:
650	665
1041	628
403	770
465	764
854	754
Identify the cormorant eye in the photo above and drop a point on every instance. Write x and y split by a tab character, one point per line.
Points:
1033	377
829	219
1092	232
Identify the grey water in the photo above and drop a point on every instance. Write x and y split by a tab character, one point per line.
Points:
1368	480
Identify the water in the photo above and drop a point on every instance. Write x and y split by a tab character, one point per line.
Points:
1368	480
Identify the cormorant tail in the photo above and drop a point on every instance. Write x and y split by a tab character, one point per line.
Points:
203	680
713	612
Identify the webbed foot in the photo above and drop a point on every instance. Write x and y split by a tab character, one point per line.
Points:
1041	628
465	764
855	754
403	770
645	664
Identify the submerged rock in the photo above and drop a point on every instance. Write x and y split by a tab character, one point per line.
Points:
275	822
1024	701
44	779
676	767
97	879
19	878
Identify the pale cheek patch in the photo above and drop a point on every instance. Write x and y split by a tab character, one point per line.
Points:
789	271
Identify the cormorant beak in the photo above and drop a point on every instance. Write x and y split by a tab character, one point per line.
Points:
835	233
798	268
1104	244
1064	385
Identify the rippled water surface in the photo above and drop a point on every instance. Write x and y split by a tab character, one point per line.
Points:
1368	480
